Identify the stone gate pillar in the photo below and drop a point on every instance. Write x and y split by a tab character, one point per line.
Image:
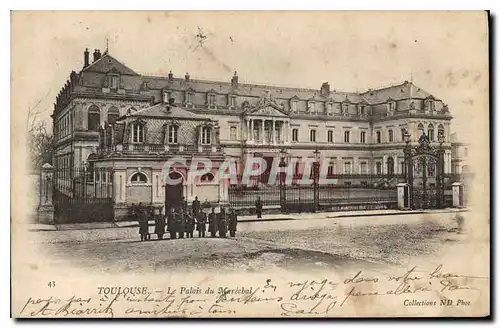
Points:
458	194
45	205
403	196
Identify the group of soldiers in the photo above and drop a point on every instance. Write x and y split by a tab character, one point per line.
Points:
182	221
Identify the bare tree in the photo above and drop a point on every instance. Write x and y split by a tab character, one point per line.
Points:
40	139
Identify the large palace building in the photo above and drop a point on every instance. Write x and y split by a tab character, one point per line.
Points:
110	116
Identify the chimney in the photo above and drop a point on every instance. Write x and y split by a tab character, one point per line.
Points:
234	80
86	58
325	89
95	55
170	76
187	77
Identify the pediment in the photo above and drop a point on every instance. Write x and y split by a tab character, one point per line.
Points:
269	110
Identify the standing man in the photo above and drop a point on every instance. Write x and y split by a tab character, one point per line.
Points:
233	222
143	222
159	225
258	207
201	224
184	205
171	224
196	206
212	223
222	223
182	223
189	225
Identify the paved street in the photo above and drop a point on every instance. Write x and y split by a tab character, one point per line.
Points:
316	242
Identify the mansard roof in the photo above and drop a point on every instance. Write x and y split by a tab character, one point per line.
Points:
404	90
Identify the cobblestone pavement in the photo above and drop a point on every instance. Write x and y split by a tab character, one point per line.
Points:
339	243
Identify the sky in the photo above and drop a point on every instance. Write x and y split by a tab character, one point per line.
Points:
445	53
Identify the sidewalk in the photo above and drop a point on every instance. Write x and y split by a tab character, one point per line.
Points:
247	218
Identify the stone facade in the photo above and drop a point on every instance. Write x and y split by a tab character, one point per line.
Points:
155	118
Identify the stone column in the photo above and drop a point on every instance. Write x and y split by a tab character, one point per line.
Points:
384	164
273	138
247	135
156	187
251	130
262	132
396	165
46	207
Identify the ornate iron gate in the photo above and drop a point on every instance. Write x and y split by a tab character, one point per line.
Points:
83	195
424	166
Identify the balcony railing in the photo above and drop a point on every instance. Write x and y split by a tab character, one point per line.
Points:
160	149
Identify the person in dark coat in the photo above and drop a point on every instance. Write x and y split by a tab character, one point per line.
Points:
184	204
190	223
171	223
258	207
159	225
233	222
212	223
143	222
196	206
181	222
201	224
222	223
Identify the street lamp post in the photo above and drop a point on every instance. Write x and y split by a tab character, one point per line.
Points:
282	181
408	167
316	179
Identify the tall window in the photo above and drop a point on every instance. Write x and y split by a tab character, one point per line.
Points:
347	168
138	133
378	166
391	136
312	106
172	134
94	118
331	169
391	106
189	97
232	133
379	139
403	130
347	135
232	101
345	108
363	137
211	100
293	105
205	135
312	135
363	168
430	132
114	81
113	114
295	135
330	135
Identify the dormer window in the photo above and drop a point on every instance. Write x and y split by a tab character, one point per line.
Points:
189	98
329	108
391	106
362	110
231	101
293	105
113	81
166	96
311	106
345	108
211	100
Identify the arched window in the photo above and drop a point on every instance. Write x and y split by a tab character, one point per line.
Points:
441	130
113	114
138	177
205	135
430	132
94	118
391	136
137	133
208	177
